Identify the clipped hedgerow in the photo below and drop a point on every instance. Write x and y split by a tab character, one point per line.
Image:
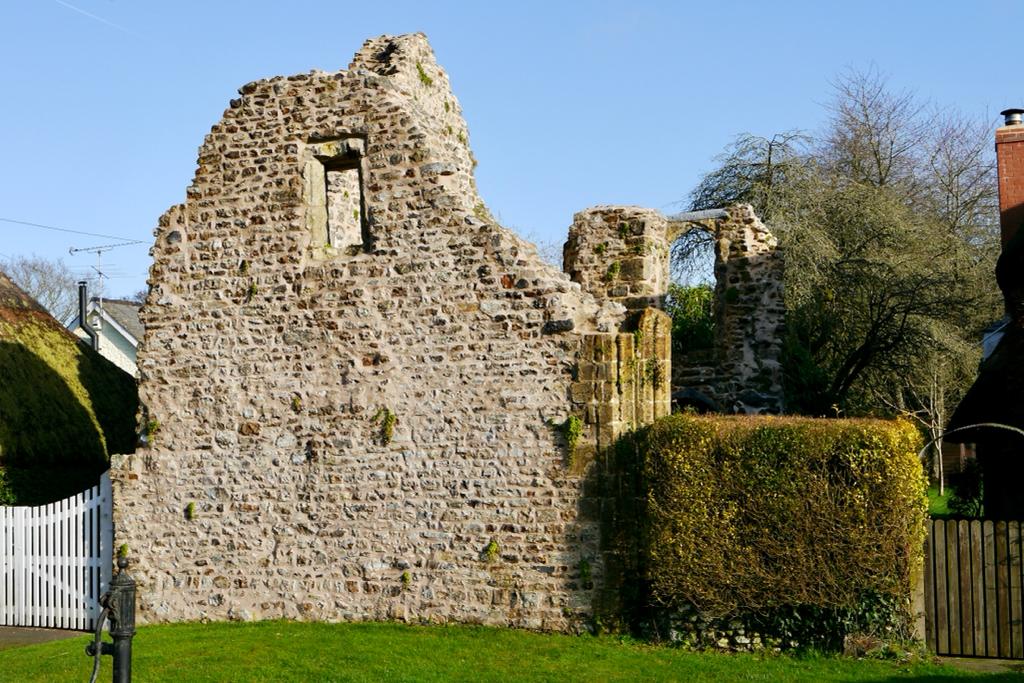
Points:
783	519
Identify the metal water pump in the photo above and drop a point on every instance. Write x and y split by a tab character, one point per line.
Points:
119	607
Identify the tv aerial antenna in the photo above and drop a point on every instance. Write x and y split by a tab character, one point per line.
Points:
100	275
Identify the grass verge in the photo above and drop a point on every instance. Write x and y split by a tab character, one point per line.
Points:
938	506
287	651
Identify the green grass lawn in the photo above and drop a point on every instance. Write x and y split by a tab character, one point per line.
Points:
286	651
938	506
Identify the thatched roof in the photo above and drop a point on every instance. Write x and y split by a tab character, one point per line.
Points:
63	408
14	298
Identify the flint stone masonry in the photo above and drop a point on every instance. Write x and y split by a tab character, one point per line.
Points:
620	253
743	372
280	341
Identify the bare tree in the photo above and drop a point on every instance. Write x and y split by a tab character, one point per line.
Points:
139	296
48	281
887	219
754	170
960	169
876	134
692	258
932	387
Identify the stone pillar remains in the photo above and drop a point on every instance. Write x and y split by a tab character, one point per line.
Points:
621	254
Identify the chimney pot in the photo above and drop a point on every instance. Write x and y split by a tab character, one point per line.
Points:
1012	117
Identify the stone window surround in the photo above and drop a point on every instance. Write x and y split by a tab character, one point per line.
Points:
319	157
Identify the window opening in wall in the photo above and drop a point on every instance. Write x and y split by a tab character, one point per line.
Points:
344	204
335	206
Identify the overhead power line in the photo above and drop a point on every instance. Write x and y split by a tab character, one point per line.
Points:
126	240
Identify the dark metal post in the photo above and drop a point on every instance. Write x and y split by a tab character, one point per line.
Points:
121	602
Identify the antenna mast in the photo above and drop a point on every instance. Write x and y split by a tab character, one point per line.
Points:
99	264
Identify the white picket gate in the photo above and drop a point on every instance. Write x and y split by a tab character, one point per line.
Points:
56	560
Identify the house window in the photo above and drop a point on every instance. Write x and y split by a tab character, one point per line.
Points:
335	208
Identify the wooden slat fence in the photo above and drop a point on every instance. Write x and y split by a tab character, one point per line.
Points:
56	560
973	588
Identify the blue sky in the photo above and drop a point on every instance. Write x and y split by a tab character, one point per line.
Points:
104	103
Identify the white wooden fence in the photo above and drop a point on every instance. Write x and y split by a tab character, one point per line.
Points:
56	560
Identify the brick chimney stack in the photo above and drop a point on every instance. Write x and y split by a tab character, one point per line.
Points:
1010	160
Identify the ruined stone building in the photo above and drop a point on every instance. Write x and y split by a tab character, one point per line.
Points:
364	398
621	254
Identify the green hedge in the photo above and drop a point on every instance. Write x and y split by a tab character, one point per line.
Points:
783	520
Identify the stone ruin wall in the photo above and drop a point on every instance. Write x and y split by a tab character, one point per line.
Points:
622	254
283	331
333	265
742	373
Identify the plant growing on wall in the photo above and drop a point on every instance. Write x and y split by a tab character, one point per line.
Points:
152	428
424	78
586	575
492	551
387	420
572	430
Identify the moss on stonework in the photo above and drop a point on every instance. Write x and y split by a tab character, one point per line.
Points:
491	552
612	274
424	78
483	213
387	420
572	430
652	373
152	428
586	575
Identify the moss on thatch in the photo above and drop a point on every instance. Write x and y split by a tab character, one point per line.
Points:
63	408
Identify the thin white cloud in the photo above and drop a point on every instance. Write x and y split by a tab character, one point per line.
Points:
99	19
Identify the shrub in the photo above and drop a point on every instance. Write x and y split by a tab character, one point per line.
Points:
793	525
967	491
693	322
